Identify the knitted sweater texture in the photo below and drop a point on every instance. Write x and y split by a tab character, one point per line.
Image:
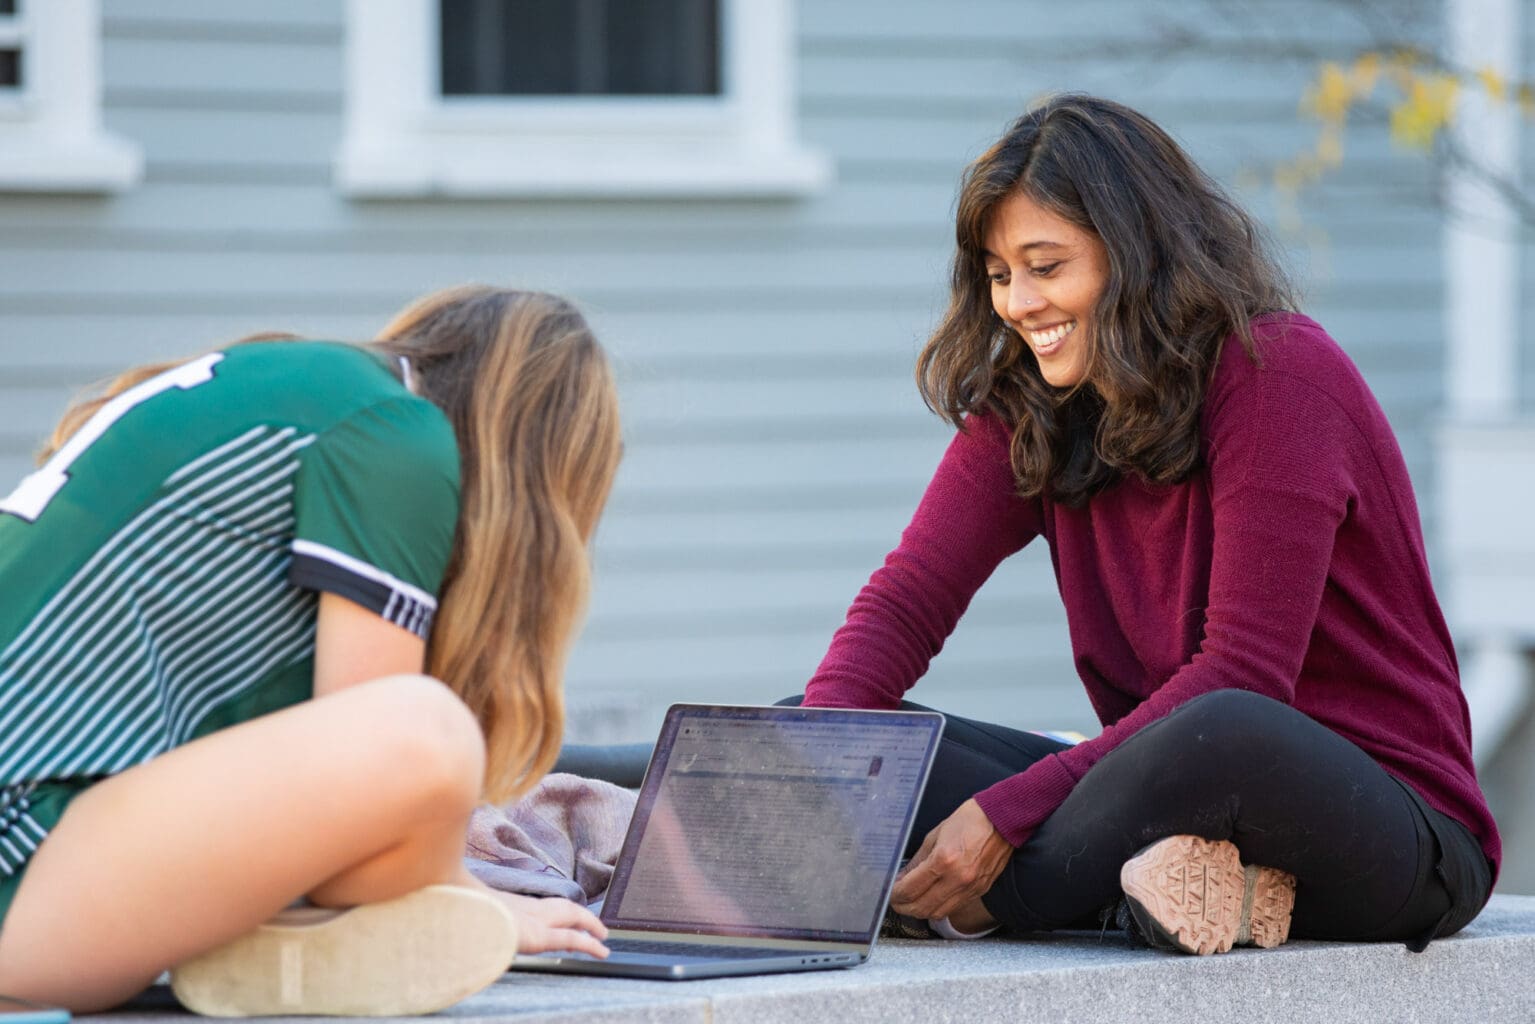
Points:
1291	563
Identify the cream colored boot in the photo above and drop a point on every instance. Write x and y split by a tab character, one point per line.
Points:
408	956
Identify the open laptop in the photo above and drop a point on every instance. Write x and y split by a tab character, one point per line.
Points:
765	839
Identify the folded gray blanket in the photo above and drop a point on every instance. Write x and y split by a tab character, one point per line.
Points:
562	839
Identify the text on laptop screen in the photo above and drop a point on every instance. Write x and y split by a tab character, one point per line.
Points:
758	826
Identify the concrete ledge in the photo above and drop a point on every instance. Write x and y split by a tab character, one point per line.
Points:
1481	975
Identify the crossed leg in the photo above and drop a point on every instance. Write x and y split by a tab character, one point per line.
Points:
352	798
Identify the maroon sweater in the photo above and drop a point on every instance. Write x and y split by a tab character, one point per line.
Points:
1290	564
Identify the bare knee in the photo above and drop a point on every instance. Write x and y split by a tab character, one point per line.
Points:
428	748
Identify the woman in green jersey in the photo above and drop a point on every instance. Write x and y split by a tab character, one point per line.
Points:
276	619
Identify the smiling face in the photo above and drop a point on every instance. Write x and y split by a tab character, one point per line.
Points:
1046	276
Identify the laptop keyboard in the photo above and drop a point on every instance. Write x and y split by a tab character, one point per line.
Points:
656	947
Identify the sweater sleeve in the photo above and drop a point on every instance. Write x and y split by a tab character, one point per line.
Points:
1280	489
968	521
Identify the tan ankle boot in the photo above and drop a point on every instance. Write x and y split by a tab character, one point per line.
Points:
1194	895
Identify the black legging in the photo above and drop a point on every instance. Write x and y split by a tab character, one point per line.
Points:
1372	861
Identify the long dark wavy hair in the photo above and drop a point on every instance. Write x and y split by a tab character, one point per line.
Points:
1187	269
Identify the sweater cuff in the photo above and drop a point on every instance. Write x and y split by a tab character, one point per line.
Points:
825	697
1017	805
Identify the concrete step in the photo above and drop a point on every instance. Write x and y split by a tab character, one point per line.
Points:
1481	975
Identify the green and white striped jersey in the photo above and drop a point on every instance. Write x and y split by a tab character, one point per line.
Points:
160	571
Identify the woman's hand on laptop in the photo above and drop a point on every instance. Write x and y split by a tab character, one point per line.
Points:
550	923
956	865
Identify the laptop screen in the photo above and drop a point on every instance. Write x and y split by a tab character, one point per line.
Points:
772	822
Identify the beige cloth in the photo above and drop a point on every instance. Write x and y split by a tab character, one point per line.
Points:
562	839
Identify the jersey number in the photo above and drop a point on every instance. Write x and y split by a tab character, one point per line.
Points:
33	494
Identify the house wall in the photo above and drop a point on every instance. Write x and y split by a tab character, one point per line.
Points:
1526	248
776	443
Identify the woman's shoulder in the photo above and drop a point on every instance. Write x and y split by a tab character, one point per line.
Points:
988	428
1292	335
1298	381
1290	350
311	363
320	384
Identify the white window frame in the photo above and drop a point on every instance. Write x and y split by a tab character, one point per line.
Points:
51	138
404	139
13	35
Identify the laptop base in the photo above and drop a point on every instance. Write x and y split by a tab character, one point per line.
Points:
670	968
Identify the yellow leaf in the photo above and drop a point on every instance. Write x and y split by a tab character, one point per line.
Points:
1526	96
1331	96
1430	101
1443	90
1494	84
1329	148
1365	73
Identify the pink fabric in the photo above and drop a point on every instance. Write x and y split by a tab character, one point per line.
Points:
1291	564
562	839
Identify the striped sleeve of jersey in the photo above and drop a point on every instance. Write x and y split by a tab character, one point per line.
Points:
376	501
20	834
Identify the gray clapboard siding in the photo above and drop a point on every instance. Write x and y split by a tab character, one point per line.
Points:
776	443
997	661
222	72
251	141
645	343
238	142
1527	236
172	18
1007	25
871	76
940	141
305	209
1363	243
361	269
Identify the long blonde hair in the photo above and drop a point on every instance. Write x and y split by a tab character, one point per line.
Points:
533	405
532	401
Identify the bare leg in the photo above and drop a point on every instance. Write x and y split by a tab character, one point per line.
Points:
351	798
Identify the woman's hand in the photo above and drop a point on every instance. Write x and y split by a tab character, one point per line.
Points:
550	923
957	864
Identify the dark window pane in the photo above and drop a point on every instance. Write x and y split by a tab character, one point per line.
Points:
10	68
675	53
7	7
580	47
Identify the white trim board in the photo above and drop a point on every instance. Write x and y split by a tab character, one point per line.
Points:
403	139
51	138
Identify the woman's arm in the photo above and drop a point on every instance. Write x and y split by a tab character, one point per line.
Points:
968	521
354	645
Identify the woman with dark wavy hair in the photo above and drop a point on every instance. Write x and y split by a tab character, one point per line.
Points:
1285	746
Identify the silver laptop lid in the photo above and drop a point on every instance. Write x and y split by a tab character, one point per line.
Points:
772	822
